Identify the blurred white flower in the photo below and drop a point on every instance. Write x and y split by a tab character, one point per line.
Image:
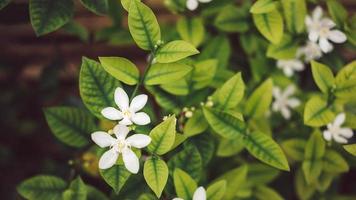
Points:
128	114
193	4
199	194
336	132
120	145
319	29
284	102
289	66
310	51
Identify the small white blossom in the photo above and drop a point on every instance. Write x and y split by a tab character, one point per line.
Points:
310	51
188	114
289	66
199	194
284	102
193	4
128	114
320	30
120	145
336	132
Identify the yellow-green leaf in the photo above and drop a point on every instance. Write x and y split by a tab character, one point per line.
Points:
163	73
191	30
317	113
216	191
163	136
260	100
294	13
155	172
174	51
121	68
184	184
270	25
323	76
263	6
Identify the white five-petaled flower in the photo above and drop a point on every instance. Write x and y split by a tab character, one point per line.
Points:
199	194
283	102
289	66
193	4
120	145
336	132
310	51
319	29
128	114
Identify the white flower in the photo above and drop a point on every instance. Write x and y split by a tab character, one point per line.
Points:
319	29
199	194
120	145
283	102
128	113
289	66
193	4
311	51
335	131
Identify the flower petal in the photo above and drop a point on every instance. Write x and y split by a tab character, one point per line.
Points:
199	194
192	4
325	45
289	91
327	23
327	135
121	99
138	102
286	113
141	118
108	159
130	160
121	131
337	36
111	113
339	119
293	102
102	139
317	13
346	132
339	139
308	21
298	65
313	35
276	91
139	140
177	198
205	1
288	71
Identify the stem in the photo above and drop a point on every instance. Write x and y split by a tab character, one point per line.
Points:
150	62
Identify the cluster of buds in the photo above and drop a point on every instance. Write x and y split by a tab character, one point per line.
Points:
188	112
158	44
209	103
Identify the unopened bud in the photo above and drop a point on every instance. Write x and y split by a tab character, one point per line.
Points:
188	114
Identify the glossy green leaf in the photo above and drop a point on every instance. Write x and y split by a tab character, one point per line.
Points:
115	177
231	93
121	68
294	148
303	189
4	3
196	124
205	144
295	12
317	113
263	6
178	87
143	26
155	172
42	187
164	100
95	194
333	162
346	73
229	147
351	148
260	100
76	29
223	53
163	136
264	192
285	50
48	15
77	190
204	73
323	76
260	174
184	184
191	30
126	4
232	19
337	11
174	51
72	126
147	196
99	7
96	87
270	25
162	73
216	191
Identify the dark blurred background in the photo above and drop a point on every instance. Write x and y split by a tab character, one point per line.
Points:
36	72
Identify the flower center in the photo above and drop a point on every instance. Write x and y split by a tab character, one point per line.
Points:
127	113
324	31
121	145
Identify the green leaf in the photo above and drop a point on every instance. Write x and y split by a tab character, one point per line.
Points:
294	148
96	87
295	12
162	73
77	190
323	76
163	136
184	184
76	29
72	126
147	196
263	6
216	191
337	11
303	189
232	19
155	172
263	192
174	51
204	73
351	148
258	144
333	162
324	181
346	82
231	93
4	3
317	113
115	177
209	51
229	147
346	73
205	144
260	100
121	68
196	124
42	187
314	152
48	15
178	87
285	50
270	25
143	26
260	174
164	100
126	4
191	30
99	7
95	194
